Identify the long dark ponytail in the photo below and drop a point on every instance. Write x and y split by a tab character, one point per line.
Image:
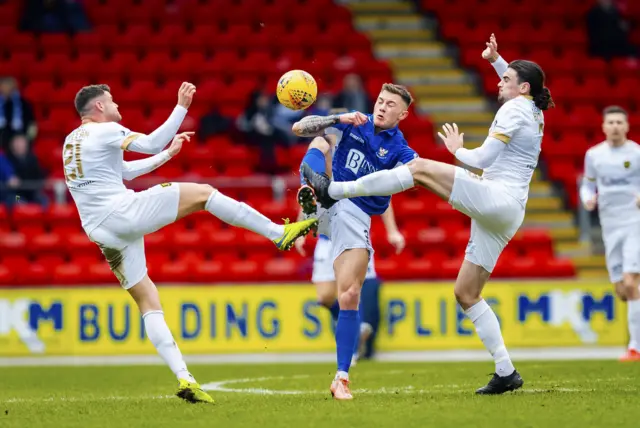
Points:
532	73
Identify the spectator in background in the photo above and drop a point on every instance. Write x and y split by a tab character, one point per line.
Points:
8	181
322	106
256	122
608	32
16	113
27	169
54	16
283	119
353	96
213	123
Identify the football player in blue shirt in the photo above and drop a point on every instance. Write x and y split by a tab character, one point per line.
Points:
368	143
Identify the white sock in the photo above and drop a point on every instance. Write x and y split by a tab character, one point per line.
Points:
240	214
633	321
380	183
488	330
342	375
161	337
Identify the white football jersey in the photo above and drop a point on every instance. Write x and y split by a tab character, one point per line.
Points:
520	125
616	171
93	157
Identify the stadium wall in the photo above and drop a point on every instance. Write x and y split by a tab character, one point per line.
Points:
285	318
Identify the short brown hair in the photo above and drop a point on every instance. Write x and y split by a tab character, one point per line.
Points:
88	93
614	109
398	90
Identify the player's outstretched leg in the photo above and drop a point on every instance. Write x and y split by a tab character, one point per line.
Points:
432	175
469	285
195	197
631	293
146	296
350	268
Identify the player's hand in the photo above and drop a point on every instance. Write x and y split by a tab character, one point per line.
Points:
491	51
452	139
590	205
396	239
185	94
299	244
354	118
176	144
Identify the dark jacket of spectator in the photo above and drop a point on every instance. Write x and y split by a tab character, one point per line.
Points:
27	168
16	113
607	31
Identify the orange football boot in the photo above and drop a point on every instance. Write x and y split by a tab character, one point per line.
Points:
340	389
631	355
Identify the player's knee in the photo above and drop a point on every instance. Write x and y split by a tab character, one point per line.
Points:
326	298
204	192
420	166
349	298
321	144
466	298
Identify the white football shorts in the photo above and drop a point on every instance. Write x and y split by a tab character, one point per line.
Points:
120	236
495	215
622	251
349	227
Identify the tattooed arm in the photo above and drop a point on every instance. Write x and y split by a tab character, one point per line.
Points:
312	126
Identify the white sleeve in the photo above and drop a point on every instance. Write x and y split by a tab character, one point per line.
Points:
588	187
483	156
589	168
133	169
158	139
500	65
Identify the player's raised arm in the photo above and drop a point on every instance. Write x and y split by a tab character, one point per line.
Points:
588	186
312	126
133	169
480	158
158	139
491	54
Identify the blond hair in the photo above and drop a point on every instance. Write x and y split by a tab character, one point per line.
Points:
400	90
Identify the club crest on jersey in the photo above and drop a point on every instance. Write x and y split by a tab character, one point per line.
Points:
627	164
382	152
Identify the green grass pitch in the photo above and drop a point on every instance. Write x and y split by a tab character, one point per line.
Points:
564	394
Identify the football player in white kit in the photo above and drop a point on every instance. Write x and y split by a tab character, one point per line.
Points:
117	219
612	183
495	201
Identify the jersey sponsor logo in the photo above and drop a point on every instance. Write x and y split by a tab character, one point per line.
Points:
609	181
357	138
357	160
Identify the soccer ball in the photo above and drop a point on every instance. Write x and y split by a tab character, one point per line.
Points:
297	90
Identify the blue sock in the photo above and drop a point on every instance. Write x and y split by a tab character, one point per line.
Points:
315	159
346	334
335	310
356	345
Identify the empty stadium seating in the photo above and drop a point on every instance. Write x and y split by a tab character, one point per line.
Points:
228	50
